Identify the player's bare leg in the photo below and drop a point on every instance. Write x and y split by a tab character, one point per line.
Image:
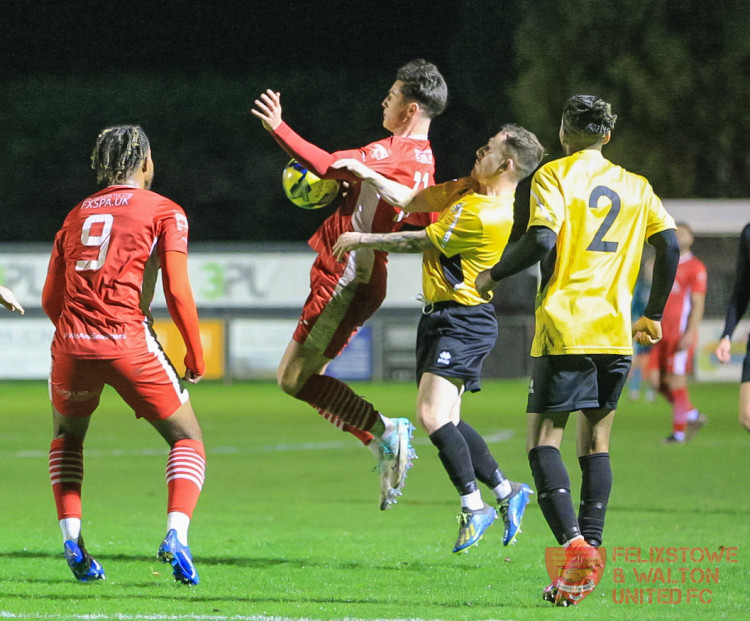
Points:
66	477
744	416
439	413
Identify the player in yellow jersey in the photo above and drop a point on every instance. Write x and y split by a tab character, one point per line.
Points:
458	327
589	220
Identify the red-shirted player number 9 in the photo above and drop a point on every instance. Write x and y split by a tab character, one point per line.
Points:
95	232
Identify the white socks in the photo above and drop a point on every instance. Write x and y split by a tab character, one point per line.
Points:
503	490
71	529
473	501
179	522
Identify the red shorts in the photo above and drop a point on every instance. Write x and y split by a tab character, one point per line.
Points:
336	307
665	357
147	382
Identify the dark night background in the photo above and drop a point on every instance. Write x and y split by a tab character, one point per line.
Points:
675	72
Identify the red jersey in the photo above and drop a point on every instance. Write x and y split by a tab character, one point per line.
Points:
104	265
405	159
690	278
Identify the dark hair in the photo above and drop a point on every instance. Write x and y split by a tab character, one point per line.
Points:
423	83
524	147
587	117
119	151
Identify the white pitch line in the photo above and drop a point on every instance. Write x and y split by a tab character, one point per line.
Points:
117	616
498	436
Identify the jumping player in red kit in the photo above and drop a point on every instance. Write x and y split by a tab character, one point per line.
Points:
673	356
98	290
344	295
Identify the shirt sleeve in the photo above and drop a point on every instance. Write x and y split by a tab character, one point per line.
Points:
658	219
54	286
546	205
700	278
312	157
182	309
172	229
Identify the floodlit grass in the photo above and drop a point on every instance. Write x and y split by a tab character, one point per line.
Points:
288	525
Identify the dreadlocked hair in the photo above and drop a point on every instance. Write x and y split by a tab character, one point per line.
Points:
588	115
119	151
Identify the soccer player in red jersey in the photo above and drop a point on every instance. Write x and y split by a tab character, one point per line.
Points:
9	301
99	287
344	295
672	357
735	310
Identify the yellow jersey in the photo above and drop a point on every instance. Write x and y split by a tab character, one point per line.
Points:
602	215
468	237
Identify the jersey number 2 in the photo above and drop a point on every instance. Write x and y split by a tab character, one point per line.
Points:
598	244
103	224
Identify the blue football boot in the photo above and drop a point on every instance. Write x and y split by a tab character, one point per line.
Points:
511	509
472	525
84	567
178	556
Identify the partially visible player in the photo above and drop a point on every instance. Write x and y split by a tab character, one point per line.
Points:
458	328
639	370
9	301
98	291
344	295
589	221
735	310
671	359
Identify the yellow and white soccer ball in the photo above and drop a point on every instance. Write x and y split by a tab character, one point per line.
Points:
305	189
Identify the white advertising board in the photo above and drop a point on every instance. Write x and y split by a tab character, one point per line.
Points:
228	280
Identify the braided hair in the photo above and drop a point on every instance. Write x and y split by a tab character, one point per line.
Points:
587	119
119	151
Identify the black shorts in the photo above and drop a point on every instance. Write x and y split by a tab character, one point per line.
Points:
453	341
746	364
569	383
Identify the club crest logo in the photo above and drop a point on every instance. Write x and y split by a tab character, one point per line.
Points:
574	573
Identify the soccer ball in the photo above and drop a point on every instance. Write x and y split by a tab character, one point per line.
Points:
305	189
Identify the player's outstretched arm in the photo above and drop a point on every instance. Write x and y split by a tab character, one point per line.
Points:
181	306
402	241
9	301
533	245
392	192
268	109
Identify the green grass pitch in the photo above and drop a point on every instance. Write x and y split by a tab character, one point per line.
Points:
288	525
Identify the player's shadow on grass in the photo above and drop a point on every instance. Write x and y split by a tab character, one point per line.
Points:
246	562
100	592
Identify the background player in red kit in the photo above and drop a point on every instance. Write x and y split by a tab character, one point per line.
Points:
672	357
344	295
98	290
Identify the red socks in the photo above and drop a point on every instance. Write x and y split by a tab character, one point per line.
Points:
339	405
66	476
680	409
186	471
